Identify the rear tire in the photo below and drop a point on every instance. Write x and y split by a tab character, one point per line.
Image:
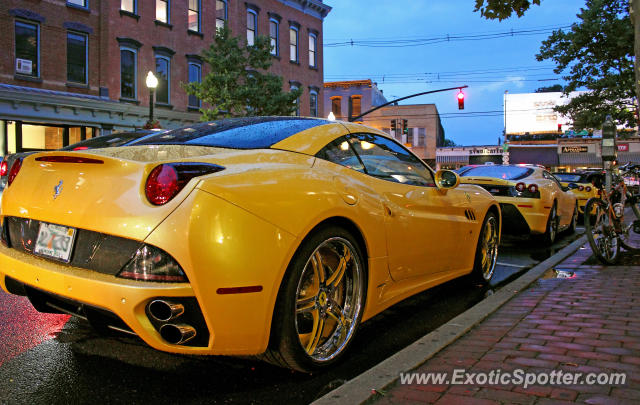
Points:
320	303
574	222
551	233
486	250
599	230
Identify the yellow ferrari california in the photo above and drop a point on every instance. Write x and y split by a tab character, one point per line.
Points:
532	200
267	236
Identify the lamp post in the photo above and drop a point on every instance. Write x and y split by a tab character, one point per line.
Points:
152	83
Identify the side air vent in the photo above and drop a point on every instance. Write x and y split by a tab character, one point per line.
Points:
470	214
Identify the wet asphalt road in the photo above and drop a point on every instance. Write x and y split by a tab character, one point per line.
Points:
51	359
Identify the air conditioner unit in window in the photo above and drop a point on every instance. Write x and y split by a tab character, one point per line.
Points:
24	66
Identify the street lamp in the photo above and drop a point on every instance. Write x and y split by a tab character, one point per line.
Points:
152	83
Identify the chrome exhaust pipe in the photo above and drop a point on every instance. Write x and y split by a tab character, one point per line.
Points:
165	311
177	334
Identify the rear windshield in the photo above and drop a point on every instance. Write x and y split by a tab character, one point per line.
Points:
569	177
236	133
106	141
499	172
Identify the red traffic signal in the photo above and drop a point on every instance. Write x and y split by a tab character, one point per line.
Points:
460	100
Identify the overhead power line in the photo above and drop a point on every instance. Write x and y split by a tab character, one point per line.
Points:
406	42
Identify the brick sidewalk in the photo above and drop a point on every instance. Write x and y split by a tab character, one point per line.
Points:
586	324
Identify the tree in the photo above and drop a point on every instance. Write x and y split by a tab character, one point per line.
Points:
503	9
596	54
238	84
550	89
448	143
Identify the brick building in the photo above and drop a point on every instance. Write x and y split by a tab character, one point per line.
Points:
424	129
76	68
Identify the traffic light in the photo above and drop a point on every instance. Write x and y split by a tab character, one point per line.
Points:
460	100
393	125
405	127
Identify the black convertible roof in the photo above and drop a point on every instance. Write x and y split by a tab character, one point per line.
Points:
236	133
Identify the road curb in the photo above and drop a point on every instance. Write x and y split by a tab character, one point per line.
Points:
362	388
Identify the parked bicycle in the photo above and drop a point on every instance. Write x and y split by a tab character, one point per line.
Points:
608	222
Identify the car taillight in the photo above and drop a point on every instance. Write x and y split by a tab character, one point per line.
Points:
520	187
81	148
166	180
15	168
3	168
580	188
162	185
587	189
153	264
533	188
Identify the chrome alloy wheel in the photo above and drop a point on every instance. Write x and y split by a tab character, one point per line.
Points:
489	247
329	299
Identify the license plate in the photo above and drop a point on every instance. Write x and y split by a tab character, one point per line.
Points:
55	241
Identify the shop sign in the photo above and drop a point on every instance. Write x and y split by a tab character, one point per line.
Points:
623	147
485	151
575	149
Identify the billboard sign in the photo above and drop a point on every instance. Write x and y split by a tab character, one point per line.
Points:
533	112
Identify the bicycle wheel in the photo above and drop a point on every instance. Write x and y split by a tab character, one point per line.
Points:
629	232
634	202
600	233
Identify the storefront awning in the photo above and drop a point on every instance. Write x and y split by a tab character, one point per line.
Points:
580	159
626	157
453	159
540	156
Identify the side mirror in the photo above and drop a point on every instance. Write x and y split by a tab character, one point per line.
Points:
447	179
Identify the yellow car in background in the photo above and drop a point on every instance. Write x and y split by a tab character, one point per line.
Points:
270	236
579	183
532	200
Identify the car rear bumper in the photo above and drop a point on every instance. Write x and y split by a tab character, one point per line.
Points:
118	303
208	237
523	215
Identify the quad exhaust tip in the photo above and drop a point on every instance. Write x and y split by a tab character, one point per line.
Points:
165	311
177	334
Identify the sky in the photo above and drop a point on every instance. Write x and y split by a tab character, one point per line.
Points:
490	57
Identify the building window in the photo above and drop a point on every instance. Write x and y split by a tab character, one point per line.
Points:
293	44
193	16
313	104
355	107
313	43
162	11
128	5
79	3
422	137
27	49
76	58
195	76
336	106
128	76
296	102
163	73
221	13
252	19
274	36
